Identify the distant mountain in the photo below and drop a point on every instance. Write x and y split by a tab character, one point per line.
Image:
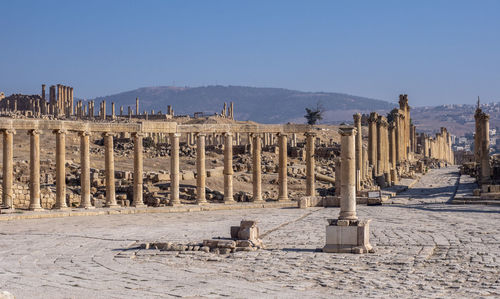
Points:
264	105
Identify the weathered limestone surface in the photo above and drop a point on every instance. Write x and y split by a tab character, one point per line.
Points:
454	255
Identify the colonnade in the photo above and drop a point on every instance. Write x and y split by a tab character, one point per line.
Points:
138	130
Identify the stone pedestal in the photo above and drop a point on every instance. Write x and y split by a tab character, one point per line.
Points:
348	236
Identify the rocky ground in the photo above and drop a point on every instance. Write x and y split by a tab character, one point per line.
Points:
425	248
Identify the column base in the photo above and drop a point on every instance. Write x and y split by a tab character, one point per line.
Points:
87	208
36	209
112	206
140	205
283	199
348	236
229	201
202	202
62	208
175	203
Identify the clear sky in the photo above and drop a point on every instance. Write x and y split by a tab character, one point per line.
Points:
436	51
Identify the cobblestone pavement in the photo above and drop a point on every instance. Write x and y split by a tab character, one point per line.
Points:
425	248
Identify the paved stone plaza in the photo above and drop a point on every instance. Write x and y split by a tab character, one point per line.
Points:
424	248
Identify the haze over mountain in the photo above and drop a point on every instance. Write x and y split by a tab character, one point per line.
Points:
264	105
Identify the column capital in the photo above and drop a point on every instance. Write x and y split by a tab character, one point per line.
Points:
8	131
313	134
104	134
138	134
373	117
347	131
60	131
84	133
228	133
200	134
175	134
34	132
282	134
357	117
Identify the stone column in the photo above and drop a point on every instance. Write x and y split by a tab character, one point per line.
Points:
71	101
35	170
372	140
113	116
380	150
228	168
485	148
201	173
477	136
283	168
138	170
109	162
174	169
60	169
392	150
348	177
85	170
365	163
256	167
7	193
359	150
310	176
137	106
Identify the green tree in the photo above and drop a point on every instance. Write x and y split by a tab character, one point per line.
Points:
314	115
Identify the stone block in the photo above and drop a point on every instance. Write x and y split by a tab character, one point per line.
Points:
216	172
344	236
234	232
188	175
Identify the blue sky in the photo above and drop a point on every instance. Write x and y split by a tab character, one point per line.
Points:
438	52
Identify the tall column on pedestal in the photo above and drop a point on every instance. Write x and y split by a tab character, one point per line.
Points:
137	106
348	171
138	170
228	167
8	144
283	168
85	170
174	169
359	150
200	169
35	170
372	141
60	169
109	162
256	167
310	176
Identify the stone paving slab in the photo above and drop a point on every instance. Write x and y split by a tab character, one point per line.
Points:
425	248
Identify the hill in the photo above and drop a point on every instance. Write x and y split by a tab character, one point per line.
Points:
264	105
459	119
